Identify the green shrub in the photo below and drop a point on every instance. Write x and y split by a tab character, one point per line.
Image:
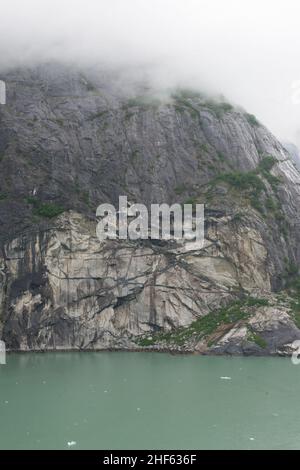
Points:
180	189
270	204
205	326
297	315
256	204
238	217
267	163
272	180
134	156
225	107
203	147
85	197
291	270
145	342
191	200
184	105
31	200
257	339
252	119
221	156
184	99
48	209
257	302
218	108
249	181
45	209
293	289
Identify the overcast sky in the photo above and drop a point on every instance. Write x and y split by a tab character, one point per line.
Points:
246	49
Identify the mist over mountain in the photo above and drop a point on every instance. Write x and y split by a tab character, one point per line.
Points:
244	50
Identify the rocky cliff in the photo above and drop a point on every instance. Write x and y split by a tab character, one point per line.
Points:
71	140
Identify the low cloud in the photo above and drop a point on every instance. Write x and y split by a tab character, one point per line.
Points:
247	50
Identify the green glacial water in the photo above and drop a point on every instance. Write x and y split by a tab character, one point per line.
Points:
147	400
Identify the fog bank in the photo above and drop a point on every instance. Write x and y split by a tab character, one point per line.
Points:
247	50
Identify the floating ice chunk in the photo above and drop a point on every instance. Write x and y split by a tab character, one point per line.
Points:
72	443
225	378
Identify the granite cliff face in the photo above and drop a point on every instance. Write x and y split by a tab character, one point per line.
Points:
70	141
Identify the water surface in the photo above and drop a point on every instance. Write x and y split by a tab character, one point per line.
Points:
148	400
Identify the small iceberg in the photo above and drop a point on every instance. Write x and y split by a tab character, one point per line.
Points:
71	443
